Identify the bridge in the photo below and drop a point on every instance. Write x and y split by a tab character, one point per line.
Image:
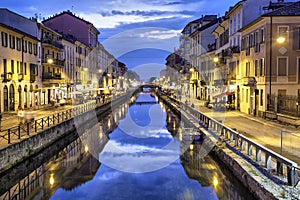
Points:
146	102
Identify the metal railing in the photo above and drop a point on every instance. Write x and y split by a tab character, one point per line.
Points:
265	159
21	131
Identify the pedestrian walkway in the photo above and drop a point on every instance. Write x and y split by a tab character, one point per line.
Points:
272	134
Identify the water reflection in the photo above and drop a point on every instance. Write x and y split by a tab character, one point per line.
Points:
161	161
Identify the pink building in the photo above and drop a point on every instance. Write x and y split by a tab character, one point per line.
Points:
69	24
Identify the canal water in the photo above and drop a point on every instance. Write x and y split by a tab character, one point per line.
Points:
137	152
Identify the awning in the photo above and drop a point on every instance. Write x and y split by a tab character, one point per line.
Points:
222	95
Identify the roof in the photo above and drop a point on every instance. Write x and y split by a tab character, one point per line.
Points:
206	26
202	19
19	31
68	12
289	10
232	8
292	9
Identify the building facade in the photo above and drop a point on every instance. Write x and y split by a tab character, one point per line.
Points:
20	86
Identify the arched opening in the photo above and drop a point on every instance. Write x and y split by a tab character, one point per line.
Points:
11	98
5	98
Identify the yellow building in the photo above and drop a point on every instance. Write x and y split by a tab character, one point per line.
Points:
19	87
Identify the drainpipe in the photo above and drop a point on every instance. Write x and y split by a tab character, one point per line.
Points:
270	60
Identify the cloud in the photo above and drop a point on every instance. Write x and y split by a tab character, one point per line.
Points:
158	34
121	18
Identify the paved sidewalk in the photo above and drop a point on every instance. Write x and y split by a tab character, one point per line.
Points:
263	131
10	119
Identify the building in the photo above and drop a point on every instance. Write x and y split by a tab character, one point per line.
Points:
69	24
270	63
201	38
68	72
20	71
53	63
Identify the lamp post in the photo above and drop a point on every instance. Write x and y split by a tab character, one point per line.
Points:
279	40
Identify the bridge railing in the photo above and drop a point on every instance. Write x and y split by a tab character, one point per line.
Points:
268	161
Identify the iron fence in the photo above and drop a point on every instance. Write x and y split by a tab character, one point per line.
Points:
285	104
23	130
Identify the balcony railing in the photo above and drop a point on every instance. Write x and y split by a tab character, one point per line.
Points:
32	78
49	75
6	76
57	62
53	42
249	81
220	82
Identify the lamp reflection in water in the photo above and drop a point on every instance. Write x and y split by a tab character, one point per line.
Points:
215	181
51	180
86	149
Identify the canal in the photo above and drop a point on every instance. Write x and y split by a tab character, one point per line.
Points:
141	150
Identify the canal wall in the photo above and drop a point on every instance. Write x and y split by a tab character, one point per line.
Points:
19	151
245	172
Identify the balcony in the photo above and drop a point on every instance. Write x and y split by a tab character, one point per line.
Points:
6	76
249	81
47	40
231	77
231	51
20	77
211	47
56	62
49	75
235	50
32	78
220	82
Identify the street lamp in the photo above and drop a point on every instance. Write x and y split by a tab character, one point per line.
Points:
216	59
50	60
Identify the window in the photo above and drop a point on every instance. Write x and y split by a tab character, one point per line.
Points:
261	97
18	67
282	66
35	49
296	38
5	66
256	67
4	39
247	71
25	68
12	41
283	31
30	47
262	67
18	44
261	35
24	46
12	67
246	95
